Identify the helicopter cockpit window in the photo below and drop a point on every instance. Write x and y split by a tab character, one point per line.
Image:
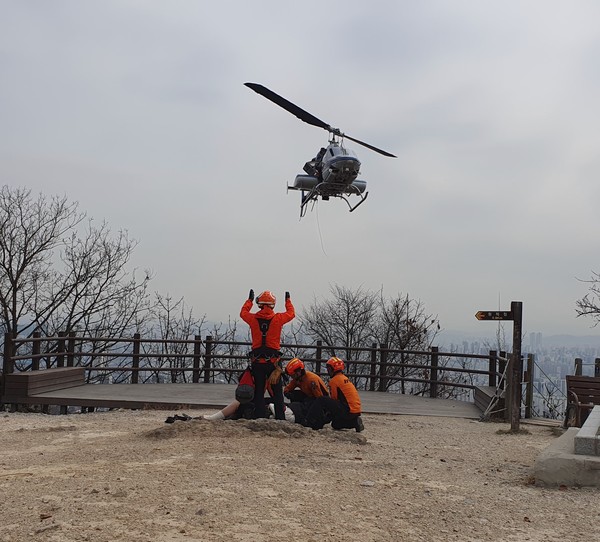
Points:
340	151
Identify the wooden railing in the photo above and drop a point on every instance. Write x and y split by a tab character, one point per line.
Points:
137	360
579	367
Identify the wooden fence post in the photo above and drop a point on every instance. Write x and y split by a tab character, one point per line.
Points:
382	367
529	386
196	362
7	363
35	350
135	359
47	359
434	372
578	366
350	366
207	357
319	357
492	368
373	367
60	346
71	349
60	362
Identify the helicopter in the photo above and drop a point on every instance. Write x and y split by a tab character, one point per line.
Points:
334	170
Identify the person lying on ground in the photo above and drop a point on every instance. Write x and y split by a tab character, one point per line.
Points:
243	404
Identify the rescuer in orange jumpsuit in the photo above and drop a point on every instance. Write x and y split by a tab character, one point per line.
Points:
303	389
265	328
343	406
304	384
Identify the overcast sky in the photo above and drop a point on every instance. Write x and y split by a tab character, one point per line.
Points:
137	110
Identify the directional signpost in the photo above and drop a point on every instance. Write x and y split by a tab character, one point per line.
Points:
516	315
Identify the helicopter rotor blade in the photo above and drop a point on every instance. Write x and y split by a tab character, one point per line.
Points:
307	117
380	151
288	106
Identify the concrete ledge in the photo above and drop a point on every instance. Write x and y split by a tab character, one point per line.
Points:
587	440
559	465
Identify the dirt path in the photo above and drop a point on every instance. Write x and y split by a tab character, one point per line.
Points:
130	477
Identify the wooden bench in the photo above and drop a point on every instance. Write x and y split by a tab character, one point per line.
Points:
21	386
583	393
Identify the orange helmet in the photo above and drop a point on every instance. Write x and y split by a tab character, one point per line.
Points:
293	366
266	298
336	364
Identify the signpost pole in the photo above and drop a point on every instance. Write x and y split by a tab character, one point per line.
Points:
516	307
513	388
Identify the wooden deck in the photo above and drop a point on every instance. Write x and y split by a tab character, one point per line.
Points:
216	396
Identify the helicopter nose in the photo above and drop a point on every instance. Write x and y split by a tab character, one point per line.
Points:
347	166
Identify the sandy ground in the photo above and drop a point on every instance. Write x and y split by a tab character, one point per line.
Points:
128	476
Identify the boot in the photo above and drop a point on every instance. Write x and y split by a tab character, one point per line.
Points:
359	426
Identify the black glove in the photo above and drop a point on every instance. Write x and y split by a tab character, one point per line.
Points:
287	296
251	295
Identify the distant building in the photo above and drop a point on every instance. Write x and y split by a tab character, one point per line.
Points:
535	341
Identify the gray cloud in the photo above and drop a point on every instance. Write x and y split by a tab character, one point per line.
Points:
138	111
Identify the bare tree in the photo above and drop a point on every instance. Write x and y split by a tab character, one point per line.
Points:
355	319
292	339
58	271
93	292
172	324
589	305
226	343
553	400
403	324
30	231
344	321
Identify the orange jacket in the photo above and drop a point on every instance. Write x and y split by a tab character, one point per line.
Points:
342	390
310	383
278	319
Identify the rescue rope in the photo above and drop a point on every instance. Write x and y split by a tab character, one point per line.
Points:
319	230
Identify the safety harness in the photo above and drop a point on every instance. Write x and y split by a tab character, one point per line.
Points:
263	352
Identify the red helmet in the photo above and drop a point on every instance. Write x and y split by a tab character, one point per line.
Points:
293	366
336	364
266	298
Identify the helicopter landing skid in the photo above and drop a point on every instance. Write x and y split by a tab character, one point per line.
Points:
362	199
313	195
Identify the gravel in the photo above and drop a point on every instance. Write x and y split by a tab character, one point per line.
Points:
128	476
